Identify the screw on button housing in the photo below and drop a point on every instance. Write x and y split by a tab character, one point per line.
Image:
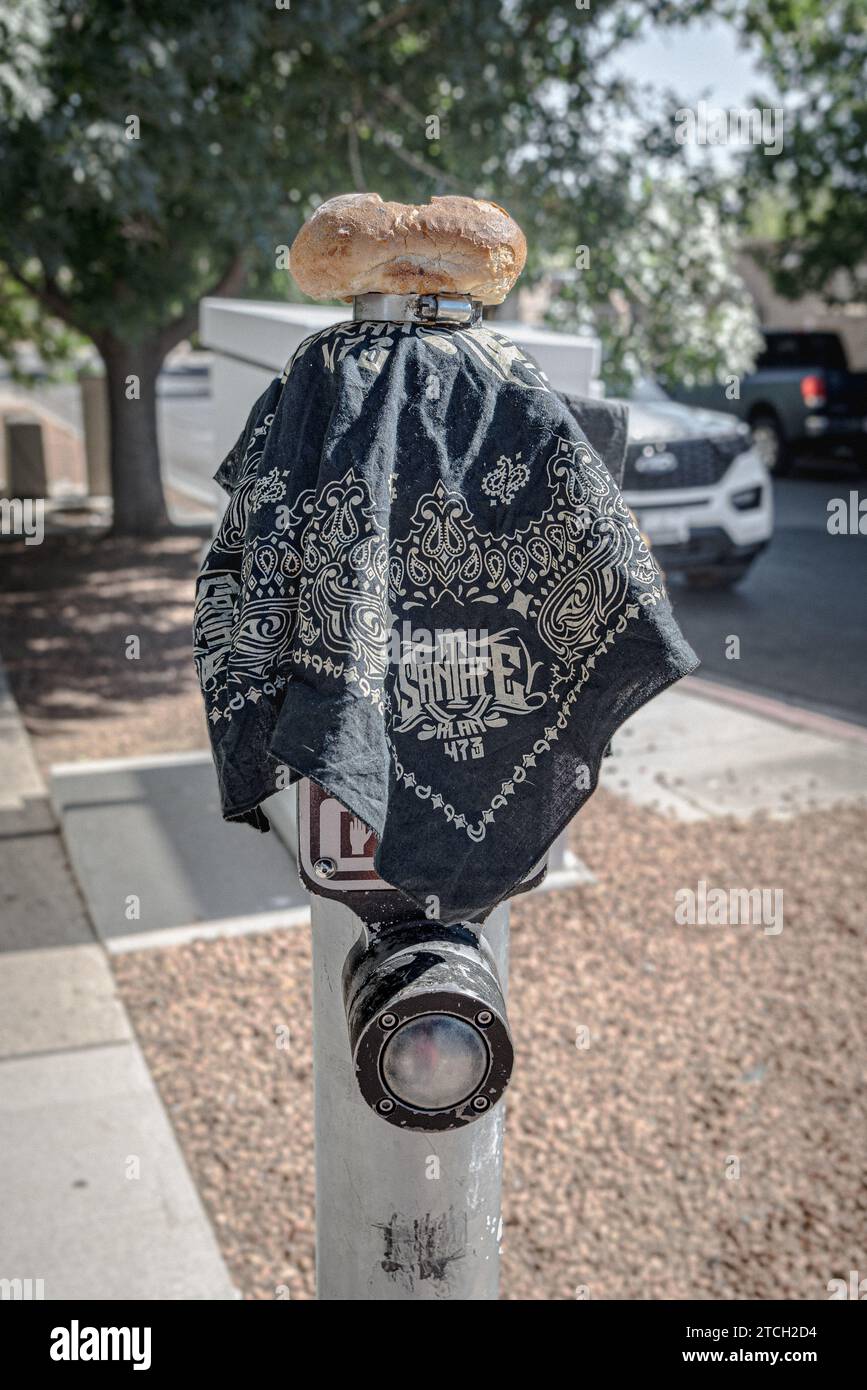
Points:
325	868
447	308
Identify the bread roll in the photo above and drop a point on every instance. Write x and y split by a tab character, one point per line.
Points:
357	244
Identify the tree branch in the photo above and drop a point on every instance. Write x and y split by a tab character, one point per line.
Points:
415	161
49	296
398	99
356	167
385	22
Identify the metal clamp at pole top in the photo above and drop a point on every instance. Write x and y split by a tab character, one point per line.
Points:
418	308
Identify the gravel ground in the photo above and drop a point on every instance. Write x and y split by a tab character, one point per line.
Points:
713	1051
707	1143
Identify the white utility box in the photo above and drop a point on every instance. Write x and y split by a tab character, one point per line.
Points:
252	340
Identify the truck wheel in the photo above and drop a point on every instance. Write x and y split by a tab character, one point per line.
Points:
771	444
718	576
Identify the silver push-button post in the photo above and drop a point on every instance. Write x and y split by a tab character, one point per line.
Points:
411	1056
411	1045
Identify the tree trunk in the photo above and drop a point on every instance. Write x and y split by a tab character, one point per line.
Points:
131	377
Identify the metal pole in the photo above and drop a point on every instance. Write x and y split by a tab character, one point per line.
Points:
400	1215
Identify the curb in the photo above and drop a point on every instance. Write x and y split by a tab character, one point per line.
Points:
770	707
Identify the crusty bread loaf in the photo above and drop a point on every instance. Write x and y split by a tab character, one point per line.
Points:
357	244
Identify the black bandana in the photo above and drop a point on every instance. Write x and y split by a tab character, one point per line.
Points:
428	595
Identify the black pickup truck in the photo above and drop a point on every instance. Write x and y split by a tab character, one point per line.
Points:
801	397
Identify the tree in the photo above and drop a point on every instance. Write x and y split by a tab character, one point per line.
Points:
110	216
152	153
664	294
814	53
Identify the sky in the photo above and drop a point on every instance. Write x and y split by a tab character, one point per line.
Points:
703	58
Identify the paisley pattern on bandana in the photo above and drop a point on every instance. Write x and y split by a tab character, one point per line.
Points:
326	579
505	479
494	606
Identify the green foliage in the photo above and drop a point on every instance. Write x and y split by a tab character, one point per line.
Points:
248	115
663	294
815	55
150	152
28	337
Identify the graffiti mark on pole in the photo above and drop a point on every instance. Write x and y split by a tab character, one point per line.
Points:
424	1248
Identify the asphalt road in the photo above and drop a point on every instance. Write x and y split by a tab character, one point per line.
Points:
801	612
800	615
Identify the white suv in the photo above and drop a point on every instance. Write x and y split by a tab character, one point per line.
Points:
699	489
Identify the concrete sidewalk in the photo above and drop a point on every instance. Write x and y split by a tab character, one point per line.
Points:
97	1199
703	750
151	828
